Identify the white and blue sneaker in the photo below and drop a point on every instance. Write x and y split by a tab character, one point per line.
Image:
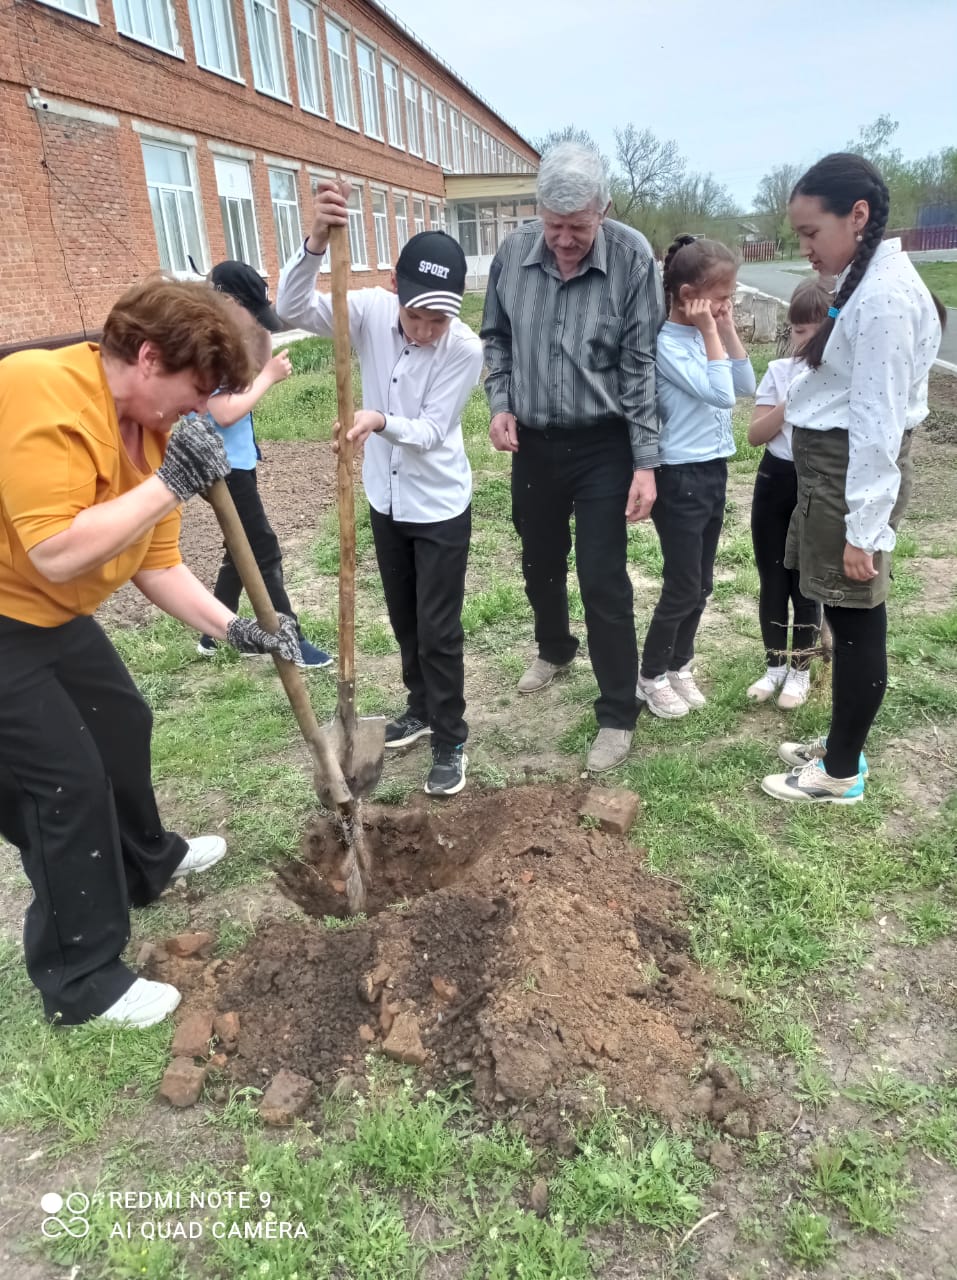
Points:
798	754
311	658
812	783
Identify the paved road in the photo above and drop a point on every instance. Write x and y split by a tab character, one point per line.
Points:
781	279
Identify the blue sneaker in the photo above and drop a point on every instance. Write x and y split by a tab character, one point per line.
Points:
813	784
311	658
447	775
798	754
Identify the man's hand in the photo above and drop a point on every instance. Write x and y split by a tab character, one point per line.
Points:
247	636
503	433
195	458
364	423
278	368
641	497
329	209
858	564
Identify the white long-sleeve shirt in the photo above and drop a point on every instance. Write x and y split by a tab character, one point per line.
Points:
872	383
415	469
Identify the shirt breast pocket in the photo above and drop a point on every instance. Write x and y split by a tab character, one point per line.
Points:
604	346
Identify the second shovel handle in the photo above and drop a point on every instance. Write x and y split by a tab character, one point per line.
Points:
342	348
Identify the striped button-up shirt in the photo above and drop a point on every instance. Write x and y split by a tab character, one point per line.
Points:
577	352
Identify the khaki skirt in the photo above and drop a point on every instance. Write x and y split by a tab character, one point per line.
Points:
817	534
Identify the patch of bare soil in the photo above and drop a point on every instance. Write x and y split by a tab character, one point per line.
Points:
297	481
507	941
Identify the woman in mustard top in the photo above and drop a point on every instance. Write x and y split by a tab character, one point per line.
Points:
91	484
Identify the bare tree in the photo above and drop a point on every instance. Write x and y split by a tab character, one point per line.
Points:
700	196
649	169
774	192
568	134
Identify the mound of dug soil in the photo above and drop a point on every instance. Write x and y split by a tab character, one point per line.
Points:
507	939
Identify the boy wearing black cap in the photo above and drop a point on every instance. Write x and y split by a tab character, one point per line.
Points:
232	417
419	363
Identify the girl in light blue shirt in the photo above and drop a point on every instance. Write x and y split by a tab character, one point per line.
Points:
701	368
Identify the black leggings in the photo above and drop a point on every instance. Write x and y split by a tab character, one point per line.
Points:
858	683
775	495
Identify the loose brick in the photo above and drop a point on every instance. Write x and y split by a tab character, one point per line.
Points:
183	1082
288	1096
193	1035
614	808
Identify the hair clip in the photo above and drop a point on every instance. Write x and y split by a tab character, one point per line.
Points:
833	313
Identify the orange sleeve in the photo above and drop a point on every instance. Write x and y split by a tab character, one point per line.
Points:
47	472
164	550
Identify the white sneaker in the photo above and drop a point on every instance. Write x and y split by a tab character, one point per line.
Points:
661	698
683	683
768	685
797	686
145	1004
204	852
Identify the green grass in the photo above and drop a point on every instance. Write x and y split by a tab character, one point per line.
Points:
472	304
940	278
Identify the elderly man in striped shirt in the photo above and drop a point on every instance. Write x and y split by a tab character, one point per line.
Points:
572	313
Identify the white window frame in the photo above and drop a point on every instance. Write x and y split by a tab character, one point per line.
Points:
341	60
214	32
125	24
428	123
369	91
270	77
89	13
418	214
286	218
315	177
434	215
456	139
485	154
401	200
358	250
466	144
380	221
242	240
476	148
442	126
393	103
179	192
413	130
307	51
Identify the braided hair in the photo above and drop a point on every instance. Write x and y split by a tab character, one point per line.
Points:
692	260
839	181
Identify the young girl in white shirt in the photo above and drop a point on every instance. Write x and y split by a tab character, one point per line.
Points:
775	497
853	413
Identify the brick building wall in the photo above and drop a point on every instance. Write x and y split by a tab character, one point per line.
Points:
74	199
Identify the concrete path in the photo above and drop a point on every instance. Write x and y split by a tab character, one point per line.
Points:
780	279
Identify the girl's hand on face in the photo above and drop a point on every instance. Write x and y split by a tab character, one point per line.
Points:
697	311
724	317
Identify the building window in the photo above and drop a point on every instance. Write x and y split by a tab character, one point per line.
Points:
369	90
393	108
305	47
285	212
433	216
235	188
467	229
456	138
428	124
214	36
343	99
265	46
441	115
325	262
151	21
174	204
357	230
476	150
485	156
411	88
79	8
466	145
380	220
401	220
418	216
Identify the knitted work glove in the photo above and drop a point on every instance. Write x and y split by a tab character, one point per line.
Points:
247	636
195	457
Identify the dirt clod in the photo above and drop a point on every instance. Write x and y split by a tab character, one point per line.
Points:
226	1028
404	1042
538	1200
288	1096
193	1035
191	944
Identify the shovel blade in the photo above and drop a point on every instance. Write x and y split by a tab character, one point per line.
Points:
363	771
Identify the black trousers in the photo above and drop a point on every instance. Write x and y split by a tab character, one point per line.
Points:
423	575
858	682
688	515
244	488
775	497
77	801
586	471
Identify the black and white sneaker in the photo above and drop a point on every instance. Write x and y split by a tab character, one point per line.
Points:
207	647
447	775
404	730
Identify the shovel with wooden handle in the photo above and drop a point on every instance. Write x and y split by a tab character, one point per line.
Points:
331	786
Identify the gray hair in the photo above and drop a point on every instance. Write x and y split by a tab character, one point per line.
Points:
572	178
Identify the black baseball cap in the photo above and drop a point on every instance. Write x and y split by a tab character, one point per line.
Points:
247	286
430	273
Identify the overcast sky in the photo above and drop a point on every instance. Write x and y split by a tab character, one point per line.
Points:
740	87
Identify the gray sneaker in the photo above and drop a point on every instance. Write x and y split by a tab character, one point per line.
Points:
539	674
609	750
